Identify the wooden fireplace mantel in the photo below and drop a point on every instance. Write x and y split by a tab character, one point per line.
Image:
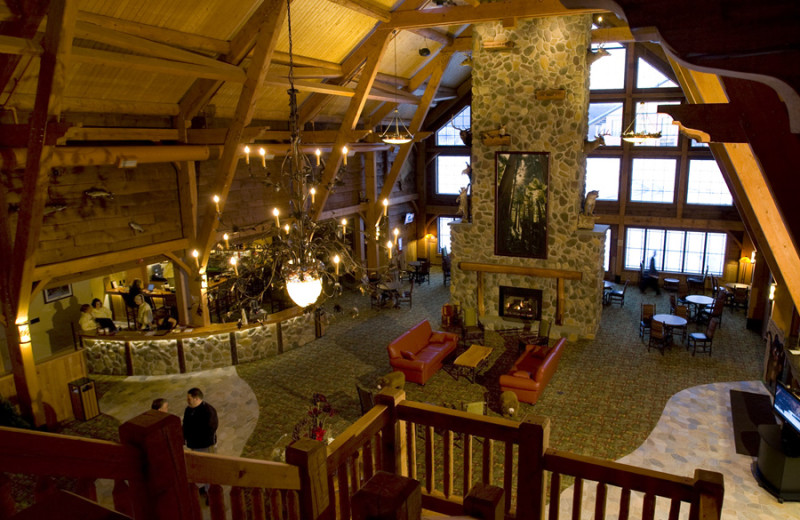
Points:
559	274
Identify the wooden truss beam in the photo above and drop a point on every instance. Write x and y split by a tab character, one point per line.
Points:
274	13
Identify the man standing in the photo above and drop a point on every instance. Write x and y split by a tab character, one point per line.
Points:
199	423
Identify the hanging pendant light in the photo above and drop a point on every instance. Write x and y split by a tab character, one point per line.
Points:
396	136
634	136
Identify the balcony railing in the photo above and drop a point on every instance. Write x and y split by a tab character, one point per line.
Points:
155	478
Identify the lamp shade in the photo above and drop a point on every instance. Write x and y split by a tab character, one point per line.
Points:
303	290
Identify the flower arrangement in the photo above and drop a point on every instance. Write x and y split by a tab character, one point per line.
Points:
313	426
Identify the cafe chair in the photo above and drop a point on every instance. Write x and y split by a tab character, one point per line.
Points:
648	309
405	295
683	312
472	330
618	296
673	303
658	336
697	285
715	312
446	270
703	339
739	298
424	272
542	337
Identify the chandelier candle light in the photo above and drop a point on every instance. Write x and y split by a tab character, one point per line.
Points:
396	136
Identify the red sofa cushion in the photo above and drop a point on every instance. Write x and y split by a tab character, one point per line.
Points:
408	355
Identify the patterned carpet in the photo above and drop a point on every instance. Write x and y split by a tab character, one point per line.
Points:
604	400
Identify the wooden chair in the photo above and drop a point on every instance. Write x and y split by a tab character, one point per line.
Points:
683	312
424	271
697	285
648	309
404	295
472	330
673	303
542	337
445	270
704	315
618	296
703	339
739	298
658	336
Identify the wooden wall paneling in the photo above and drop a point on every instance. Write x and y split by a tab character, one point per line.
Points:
55	374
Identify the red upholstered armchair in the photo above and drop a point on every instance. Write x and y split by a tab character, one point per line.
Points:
420	352
532	371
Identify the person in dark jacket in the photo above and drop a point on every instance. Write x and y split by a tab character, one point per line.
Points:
199	423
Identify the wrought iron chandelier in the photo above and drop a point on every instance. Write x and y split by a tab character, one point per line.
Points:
632	135
396	136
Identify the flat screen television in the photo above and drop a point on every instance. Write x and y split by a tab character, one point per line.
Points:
787	407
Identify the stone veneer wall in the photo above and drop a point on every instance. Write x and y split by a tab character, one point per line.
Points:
549	53
256	343
105	357
206	352
155	357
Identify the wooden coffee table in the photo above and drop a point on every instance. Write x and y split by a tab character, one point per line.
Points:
472	359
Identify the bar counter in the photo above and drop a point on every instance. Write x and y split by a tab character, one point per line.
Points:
218	345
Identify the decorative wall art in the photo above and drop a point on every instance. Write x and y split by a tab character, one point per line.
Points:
57	293
521	204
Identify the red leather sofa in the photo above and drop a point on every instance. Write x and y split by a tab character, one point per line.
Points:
419	352
532	371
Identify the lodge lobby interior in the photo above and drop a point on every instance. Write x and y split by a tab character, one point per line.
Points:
142	194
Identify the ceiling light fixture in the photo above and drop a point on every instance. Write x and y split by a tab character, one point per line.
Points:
632	135
397	136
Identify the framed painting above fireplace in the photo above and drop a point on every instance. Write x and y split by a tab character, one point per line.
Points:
521	204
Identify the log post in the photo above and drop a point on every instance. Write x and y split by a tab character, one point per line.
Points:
534	437
710	488
311	458
393	439
165	491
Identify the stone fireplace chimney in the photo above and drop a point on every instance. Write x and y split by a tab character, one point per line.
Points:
516	89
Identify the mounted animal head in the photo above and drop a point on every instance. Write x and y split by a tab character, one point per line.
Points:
599	140
464	133
593	56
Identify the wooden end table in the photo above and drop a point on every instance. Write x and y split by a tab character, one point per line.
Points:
472	360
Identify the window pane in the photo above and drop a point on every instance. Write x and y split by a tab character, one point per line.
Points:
634	248
697	144
605	118
649	120
449	179
648	76
655	248
715	252
653	180
673	254
706	185
443	240
607	252
448	135
608	72
602	174
695	246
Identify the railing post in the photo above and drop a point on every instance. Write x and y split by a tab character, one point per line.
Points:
710	488
393	439
164	494
311	457
534	438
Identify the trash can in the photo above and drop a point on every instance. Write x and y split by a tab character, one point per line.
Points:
84	399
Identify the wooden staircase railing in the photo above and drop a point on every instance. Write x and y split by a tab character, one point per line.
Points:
446	450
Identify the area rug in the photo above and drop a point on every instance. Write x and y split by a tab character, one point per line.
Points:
748	410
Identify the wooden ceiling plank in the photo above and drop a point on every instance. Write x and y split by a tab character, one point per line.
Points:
365	8
274	13
175	68
90	31
158	34
378	45
73	104
415	125
458	15
107	259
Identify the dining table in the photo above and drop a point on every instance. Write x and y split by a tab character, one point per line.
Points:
698	301
670	322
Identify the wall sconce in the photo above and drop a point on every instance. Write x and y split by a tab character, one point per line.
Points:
24	330
772	288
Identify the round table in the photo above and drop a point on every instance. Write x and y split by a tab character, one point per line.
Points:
738	285
670	320
699	299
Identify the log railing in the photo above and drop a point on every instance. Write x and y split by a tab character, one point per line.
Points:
448	451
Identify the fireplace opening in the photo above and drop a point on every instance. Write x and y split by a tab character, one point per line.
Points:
520	303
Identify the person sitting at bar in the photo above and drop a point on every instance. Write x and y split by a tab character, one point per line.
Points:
165	319
102	315
86	321
144	313
133	291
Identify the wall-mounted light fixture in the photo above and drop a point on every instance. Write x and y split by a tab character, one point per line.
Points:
24	330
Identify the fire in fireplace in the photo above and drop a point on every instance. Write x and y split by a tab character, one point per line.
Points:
520	303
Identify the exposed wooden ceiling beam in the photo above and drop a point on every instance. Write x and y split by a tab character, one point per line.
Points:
74	104
458	15
365	8
265	42
620	34
433	34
